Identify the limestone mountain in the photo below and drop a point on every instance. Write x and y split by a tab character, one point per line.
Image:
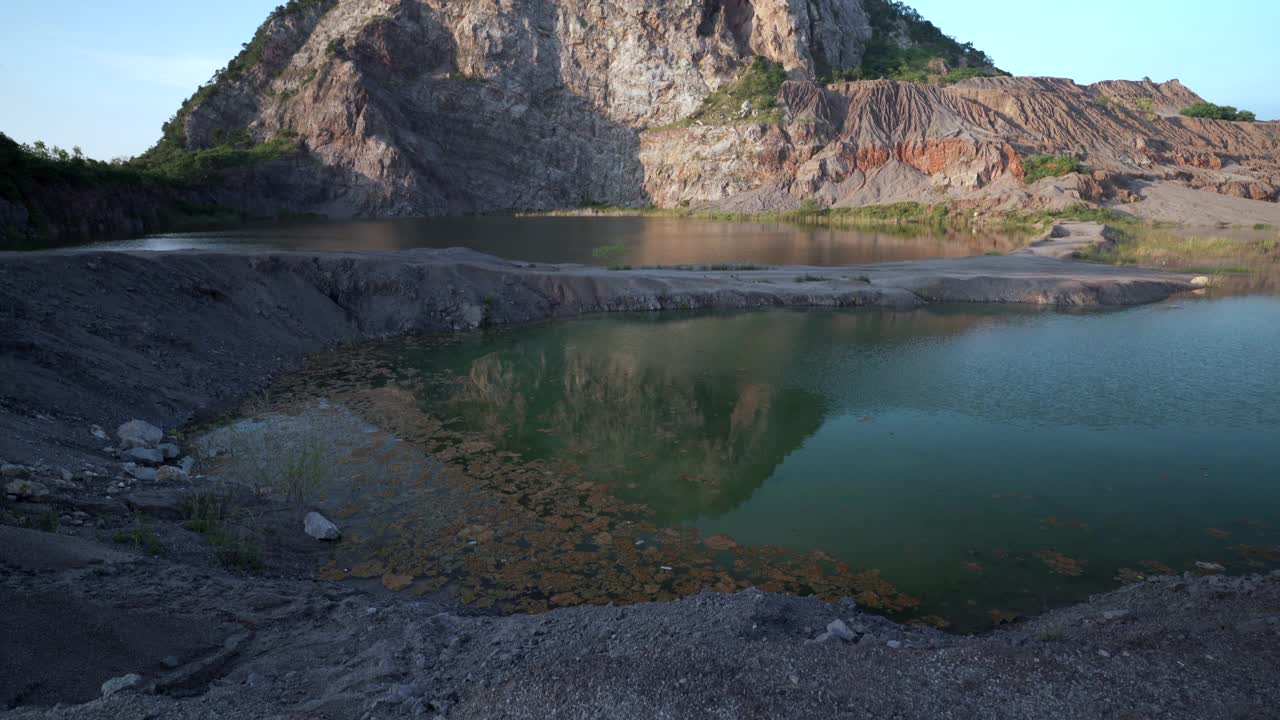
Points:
441	106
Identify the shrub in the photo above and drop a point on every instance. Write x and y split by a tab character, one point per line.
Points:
759	86
1219	112
1039	167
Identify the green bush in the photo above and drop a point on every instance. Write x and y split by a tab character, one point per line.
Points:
1039	167
885	59
1219	112
759	86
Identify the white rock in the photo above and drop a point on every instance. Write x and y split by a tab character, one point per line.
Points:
137	433
98	432
1210	567
319	527
124	682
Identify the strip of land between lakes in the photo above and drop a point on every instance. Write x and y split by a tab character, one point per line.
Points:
104	337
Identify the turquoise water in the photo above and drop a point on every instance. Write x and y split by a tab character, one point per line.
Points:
963	452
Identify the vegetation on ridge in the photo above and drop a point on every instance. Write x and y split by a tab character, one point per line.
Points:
1219	112
932	55
1039	167
752	98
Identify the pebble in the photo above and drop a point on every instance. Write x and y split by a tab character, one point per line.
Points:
1104	653
98	432
894	644
1115	614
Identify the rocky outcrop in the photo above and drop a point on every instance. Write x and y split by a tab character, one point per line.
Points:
416	108
885	141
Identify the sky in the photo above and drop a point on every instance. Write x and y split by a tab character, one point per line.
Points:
105	75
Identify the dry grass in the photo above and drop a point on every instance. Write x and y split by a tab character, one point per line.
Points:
1210	254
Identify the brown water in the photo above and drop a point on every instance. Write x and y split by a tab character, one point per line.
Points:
647	240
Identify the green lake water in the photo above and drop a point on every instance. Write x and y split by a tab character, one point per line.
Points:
980	458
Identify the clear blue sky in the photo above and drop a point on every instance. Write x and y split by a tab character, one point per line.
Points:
105	74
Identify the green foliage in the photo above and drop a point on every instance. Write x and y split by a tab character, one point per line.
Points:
140	537
177	165
229	534
884	58
1219	112
1039	167
759	86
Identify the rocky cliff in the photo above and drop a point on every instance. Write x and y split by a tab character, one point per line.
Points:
447	106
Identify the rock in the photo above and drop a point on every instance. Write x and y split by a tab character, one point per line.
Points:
146	455
1210	567
169	450
98	432
137	434
1115	615
169	473
320	528
25	489
9	470
140	473
124	682
66	475
1201	281
894	644
838	629
187	464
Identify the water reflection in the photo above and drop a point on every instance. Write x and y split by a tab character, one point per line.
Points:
648	241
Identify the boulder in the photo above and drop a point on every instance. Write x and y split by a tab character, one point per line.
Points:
188	464
169	450
320	528
149	456
25	489
138	433
169	473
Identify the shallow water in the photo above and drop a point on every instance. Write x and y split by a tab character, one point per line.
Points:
648	240
986	461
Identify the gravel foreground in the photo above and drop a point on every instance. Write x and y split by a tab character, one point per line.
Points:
1172	647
